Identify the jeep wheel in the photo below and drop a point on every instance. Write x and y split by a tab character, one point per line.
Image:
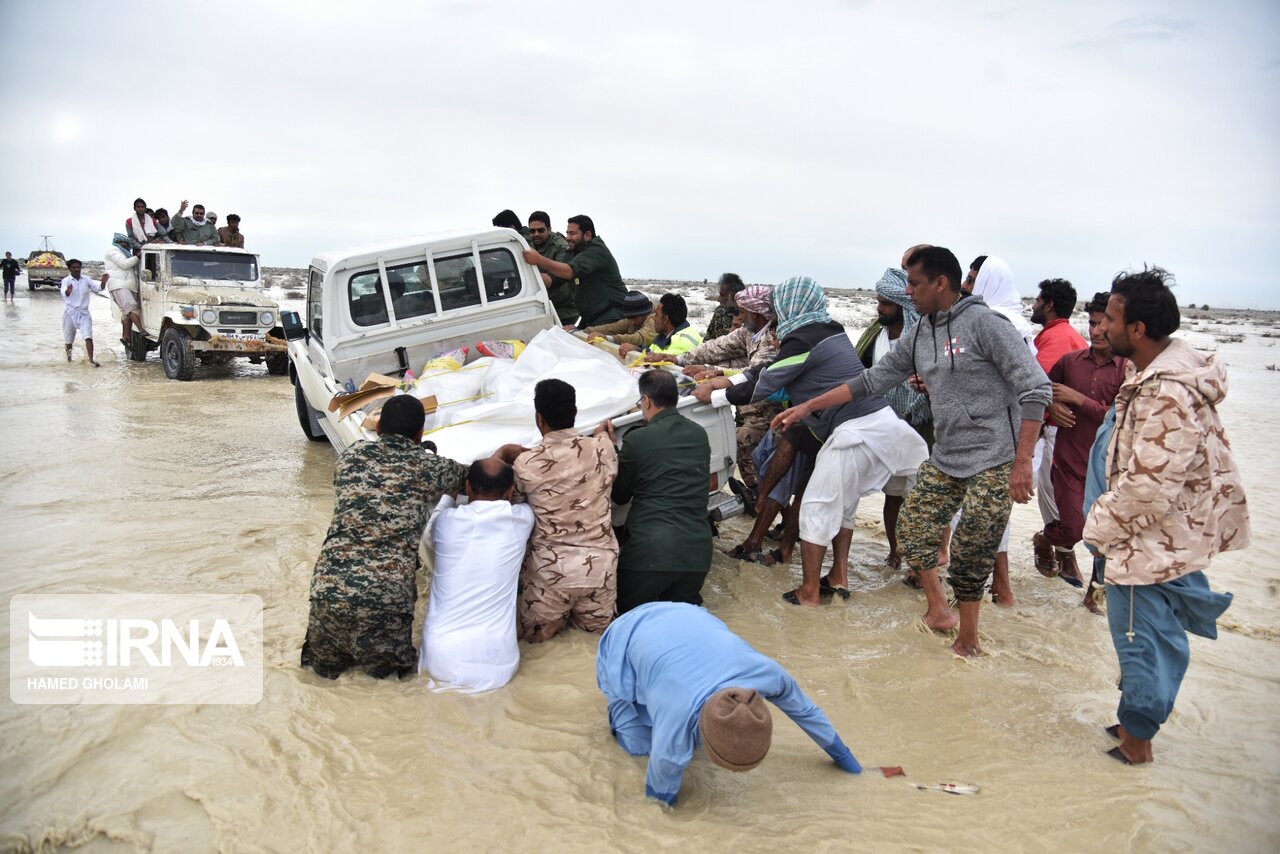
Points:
138	347
278	364
308	418
176	354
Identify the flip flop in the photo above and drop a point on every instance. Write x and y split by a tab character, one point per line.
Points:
1113	731
825	588
790	598
774	557
750	556
1115	754
775	533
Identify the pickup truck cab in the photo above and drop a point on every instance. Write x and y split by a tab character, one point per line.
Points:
390	307
205	304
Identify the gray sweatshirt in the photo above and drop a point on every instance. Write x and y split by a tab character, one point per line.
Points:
982	381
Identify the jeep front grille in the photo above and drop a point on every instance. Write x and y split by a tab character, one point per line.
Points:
238	318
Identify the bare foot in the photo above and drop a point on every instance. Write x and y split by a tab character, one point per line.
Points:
893	561
1136	750
966	650
941	621
1003	597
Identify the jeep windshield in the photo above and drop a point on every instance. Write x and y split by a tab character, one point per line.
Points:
215	266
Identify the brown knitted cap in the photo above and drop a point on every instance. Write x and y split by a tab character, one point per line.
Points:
736	728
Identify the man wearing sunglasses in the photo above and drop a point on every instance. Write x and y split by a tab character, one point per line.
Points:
551	244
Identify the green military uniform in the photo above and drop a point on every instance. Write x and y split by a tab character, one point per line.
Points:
600	288
556	248
721	322
185	229
664	470
364	585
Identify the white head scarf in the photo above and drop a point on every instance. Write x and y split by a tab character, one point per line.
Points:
995	286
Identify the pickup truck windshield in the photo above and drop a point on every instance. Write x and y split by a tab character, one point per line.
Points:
215	266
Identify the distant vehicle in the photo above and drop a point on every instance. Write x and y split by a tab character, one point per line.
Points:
380	309
205	304
46	266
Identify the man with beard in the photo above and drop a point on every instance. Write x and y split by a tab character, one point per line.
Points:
552	245
1052	309
974	269
895	315
722	318
194	229
600	290
1174	499
1084	385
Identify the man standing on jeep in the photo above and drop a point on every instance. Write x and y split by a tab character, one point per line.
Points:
365	585
600	292
552	245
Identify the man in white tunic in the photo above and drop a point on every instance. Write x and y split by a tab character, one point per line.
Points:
75	315
469	635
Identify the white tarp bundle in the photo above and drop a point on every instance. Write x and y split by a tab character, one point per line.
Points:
489	403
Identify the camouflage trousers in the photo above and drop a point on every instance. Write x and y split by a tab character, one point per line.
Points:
985	504
543	610
342	636
753	423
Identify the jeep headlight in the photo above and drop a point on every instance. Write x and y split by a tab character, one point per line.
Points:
208	317
267	318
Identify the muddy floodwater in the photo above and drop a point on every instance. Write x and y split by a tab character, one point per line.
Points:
116	479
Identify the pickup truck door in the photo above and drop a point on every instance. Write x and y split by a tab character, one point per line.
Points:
149	293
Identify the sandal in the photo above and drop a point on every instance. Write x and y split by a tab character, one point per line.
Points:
774	557
1113	730
741	552
790	598
775	533
1117	755
825	588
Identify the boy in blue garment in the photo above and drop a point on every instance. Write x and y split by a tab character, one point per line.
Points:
677	678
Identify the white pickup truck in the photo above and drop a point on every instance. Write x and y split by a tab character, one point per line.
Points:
388	308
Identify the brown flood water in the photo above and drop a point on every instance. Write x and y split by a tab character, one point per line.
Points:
119	480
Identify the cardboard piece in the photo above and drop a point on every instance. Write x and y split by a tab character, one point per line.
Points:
374	387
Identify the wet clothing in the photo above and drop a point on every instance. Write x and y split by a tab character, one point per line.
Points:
226	237
720	324
682	339
752	424
658	664
1175	498
11	268
600	288
1099	384
556	248
985	503
983	383
75	312
570	573
341	635
664	471
383	493
468	635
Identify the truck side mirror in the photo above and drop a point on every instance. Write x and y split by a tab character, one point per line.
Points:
294	328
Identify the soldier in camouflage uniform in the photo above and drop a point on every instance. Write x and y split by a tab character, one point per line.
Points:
752	343
364	585
570	573
551	244
722	318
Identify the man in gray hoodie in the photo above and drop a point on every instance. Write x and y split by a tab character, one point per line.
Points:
988	396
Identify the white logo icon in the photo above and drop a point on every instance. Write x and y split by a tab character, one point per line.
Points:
64	643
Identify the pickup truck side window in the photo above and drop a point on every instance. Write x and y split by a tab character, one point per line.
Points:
410	286
501	276
315	304
457	277
150	266
364	291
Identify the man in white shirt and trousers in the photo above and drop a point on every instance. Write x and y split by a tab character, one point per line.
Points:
469	634
75	315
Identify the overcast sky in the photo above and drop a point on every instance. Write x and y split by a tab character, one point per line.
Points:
772	139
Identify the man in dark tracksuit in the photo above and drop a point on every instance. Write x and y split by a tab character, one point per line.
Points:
664	471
